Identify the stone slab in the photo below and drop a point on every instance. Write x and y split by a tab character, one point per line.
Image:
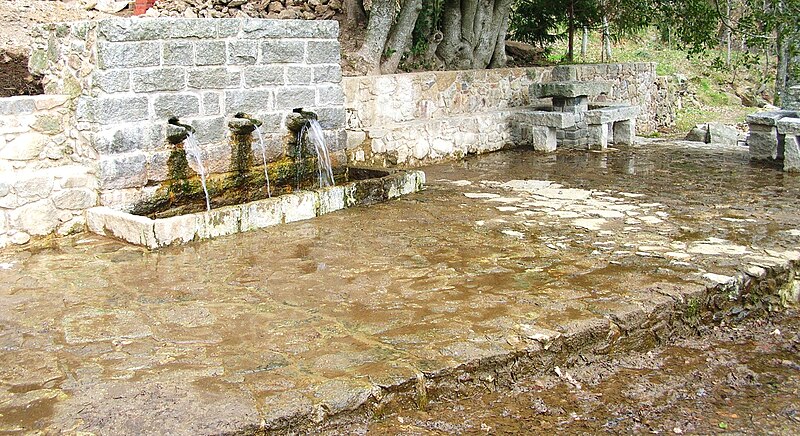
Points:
789	126
570	89
769	118
611	113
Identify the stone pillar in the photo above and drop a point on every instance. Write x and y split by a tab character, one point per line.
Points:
625	131
543	138
598	136
790	128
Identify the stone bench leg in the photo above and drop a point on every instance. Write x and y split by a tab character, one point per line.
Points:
791	153
625	132
543	138
598	136
763	142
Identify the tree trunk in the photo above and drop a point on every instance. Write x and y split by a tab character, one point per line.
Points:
400	36
354	12
499	58
584	43
571	33
472	31
606	40
380	22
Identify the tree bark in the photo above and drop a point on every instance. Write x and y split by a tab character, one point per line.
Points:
606	40
584	43
399	39
380	22
571	32
354	13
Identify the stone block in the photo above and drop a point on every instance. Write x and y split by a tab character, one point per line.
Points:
299	206
789	126
24	147
17	105
242	52
128	54
213	78
211	52
548	119
256	77
719	133
75	199
220	222
291	97
261	214
177	53
624	132
199	28
161	79
699	133
212	103
37	218
176	230
248	101
791	154
33	186
299	75
543	138
769	118
112	110
157	168
570	89
598	136
280	51
118	30
610	114
763	145
331	199
331	117
126	138
330	95
211	130
258	29
112	81
176	105
328	73
323	52
229	27
131	228
123	171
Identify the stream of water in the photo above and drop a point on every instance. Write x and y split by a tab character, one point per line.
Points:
263	157
192	149
312	131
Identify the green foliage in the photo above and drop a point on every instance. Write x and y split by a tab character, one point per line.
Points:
543	22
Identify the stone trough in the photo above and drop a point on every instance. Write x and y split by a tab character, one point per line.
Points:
302	205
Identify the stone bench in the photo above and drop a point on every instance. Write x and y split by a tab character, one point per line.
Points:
612	123
539	127
789	129
764	141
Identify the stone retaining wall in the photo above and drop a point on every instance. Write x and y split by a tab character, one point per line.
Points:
411	119
47	174
131	75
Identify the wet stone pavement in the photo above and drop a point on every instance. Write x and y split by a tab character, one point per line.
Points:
506	264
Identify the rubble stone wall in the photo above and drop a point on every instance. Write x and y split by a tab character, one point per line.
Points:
129	76
412	119
47	174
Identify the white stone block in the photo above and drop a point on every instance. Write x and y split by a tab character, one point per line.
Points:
543	139
26	146
220	222
598	136
176	230
625	132
131	228
262	213
791	154
299	206
331	199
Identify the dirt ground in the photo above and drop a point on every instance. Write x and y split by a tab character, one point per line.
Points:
738	379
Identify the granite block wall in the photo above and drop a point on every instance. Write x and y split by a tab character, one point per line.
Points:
129	76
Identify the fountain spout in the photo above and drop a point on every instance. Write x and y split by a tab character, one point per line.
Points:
177	131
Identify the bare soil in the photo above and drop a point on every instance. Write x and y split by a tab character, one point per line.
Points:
740	379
